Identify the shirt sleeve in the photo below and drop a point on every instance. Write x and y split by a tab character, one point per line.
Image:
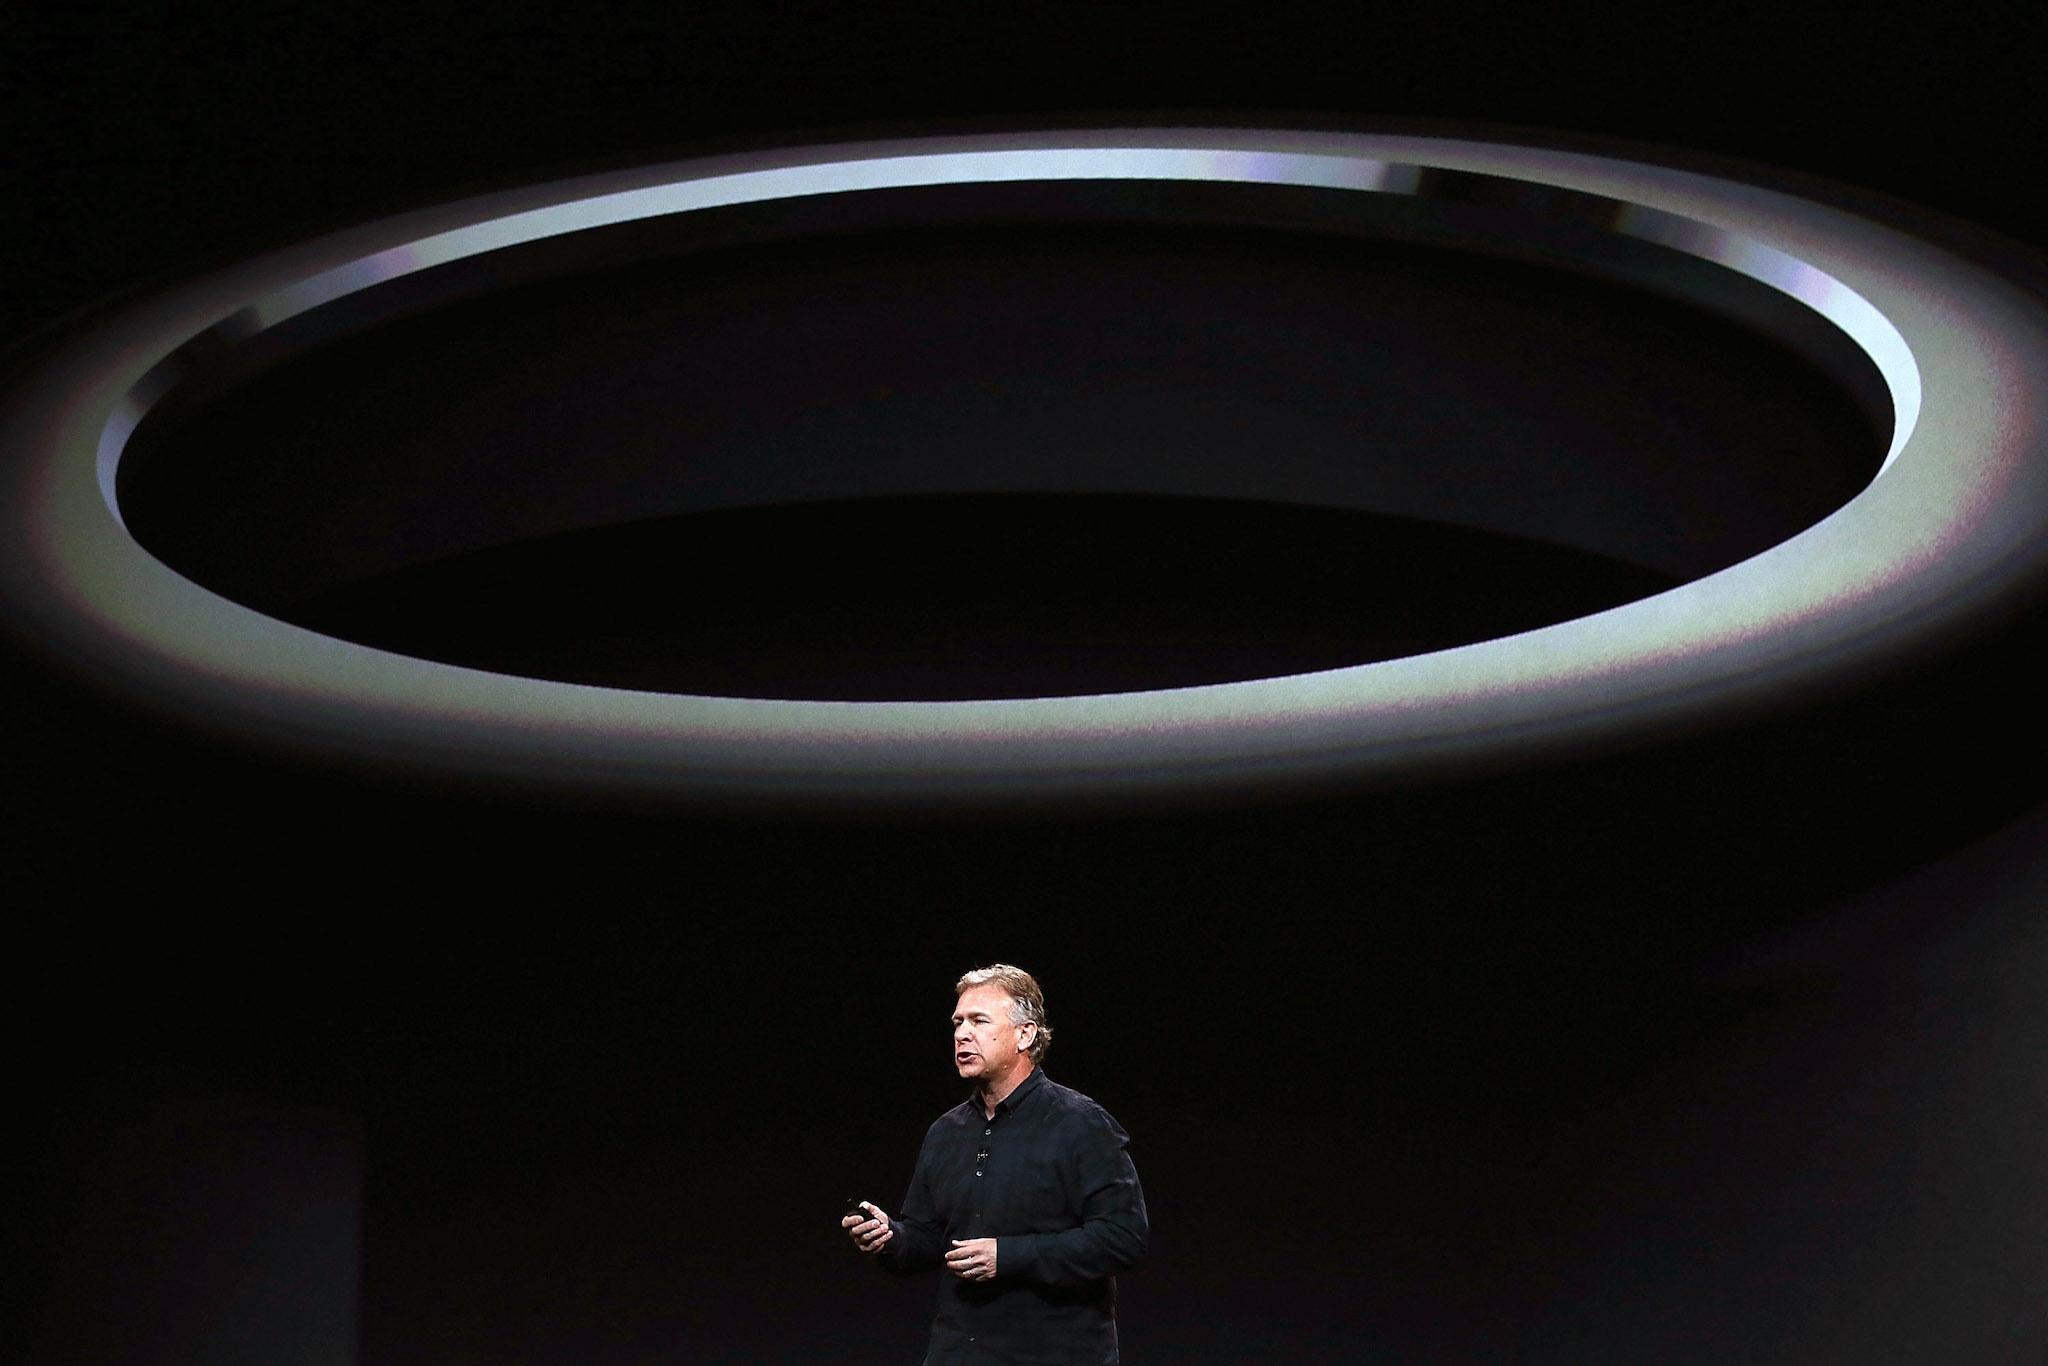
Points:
1113	1232
919	1234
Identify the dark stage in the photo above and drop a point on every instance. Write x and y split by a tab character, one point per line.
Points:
1704	1042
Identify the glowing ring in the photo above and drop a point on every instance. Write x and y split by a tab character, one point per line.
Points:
1951	524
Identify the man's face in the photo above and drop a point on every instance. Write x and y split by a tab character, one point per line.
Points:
987	1048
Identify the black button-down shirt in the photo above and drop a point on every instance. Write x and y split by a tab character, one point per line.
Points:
1050	1178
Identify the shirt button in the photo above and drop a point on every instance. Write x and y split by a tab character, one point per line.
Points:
989	1130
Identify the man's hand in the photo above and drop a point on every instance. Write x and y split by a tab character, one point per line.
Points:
870	1232
973	1259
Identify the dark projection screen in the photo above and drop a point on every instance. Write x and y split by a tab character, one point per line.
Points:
1464	602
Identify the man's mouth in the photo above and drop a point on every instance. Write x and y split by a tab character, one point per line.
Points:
963	1057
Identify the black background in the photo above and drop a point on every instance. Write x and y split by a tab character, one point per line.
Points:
1724	1048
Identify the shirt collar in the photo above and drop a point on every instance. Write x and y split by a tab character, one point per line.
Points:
1015	1098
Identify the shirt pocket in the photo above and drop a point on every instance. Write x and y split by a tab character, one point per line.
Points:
1044	1203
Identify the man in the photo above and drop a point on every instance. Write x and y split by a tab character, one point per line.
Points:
1024	1195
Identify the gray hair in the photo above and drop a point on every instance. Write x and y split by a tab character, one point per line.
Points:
1027	1001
